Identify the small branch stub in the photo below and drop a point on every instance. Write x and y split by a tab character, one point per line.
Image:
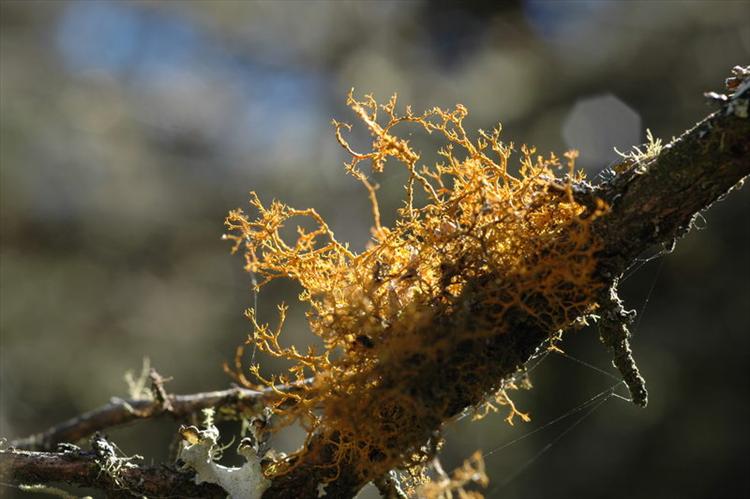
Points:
614	333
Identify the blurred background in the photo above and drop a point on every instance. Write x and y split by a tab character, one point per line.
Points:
128	129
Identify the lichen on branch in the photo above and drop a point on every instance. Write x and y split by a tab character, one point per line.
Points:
416	336
486	245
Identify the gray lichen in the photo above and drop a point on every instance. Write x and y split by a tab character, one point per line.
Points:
197	451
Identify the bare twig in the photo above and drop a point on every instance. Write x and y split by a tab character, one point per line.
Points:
229	403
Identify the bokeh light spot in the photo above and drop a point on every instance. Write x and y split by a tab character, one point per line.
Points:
596	126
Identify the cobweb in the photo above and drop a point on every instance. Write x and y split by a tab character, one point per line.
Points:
572	418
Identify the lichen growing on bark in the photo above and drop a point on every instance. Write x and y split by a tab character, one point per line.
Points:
409	324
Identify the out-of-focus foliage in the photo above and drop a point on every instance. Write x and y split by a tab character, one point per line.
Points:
127	129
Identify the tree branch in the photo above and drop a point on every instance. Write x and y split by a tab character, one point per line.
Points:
652	199
86	469
229	403
655	201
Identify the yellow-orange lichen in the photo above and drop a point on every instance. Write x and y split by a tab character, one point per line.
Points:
455	486
408	324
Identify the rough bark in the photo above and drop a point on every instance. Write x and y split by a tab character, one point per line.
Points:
654	202
86	469
229	403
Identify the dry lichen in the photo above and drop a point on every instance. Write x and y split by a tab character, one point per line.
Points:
408	324
199	451
455	486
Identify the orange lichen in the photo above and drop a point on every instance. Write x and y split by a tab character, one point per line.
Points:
454	486
409	324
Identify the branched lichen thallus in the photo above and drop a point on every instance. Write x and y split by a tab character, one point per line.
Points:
441	309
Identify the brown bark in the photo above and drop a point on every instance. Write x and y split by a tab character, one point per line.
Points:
85	469
230	403
654	203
